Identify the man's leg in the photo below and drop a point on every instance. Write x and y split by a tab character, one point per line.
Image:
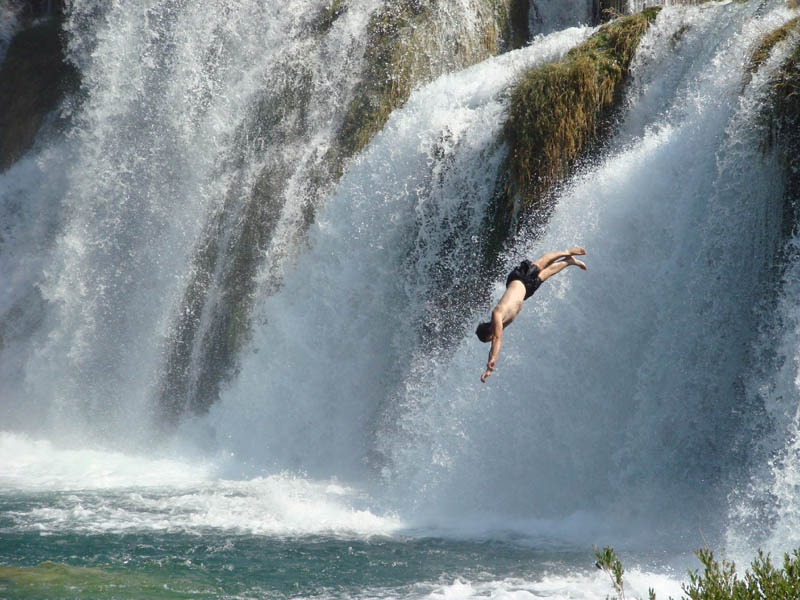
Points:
548	258
555	267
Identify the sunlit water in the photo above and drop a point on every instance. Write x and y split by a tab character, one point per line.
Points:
347	458
93	524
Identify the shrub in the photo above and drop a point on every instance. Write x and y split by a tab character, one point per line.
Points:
719	581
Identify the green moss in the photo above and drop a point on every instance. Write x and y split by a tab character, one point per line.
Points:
328	15
50	580
558	111
400	57
33	79
394	40
768	42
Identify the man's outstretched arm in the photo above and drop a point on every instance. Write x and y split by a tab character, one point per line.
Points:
497	341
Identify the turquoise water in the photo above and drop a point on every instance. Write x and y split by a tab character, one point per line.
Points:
95	524
640	404
38	560
215	564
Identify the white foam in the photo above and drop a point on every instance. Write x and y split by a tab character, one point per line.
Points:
594	585
102	491
30	465
280	505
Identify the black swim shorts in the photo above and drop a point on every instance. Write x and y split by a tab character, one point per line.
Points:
528	273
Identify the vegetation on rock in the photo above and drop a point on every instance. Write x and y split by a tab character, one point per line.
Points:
559	111
781	114
768	43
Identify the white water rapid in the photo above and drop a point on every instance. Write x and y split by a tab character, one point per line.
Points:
652	399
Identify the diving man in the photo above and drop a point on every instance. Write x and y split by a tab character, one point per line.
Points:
520	285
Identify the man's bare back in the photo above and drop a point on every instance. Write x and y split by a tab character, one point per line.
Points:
522	282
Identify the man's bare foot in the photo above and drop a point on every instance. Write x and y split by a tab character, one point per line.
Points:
574	261
579	250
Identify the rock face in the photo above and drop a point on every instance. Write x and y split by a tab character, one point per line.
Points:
33	79
784	125
781	113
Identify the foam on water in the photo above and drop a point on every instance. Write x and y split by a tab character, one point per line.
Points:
30	465
98	491
595	586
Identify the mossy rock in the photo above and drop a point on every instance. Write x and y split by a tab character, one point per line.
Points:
214	324
768	42
33	79
402	54
328	15
782	115
559	111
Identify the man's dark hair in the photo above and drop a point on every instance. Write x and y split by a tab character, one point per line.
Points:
484	332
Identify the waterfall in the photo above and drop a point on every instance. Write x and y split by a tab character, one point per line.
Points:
198	247
765	512
619	389
9	22
165	88
197	151
546	17
343	331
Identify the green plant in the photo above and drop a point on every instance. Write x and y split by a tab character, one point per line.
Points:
719	581
608	561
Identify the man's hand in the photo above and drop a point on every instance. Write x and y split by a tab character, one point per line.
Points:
489	369
497	341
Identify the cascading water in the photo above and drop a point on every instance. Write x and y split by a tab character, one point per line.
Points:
634	386
197	169
404	197
634	403
8	27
